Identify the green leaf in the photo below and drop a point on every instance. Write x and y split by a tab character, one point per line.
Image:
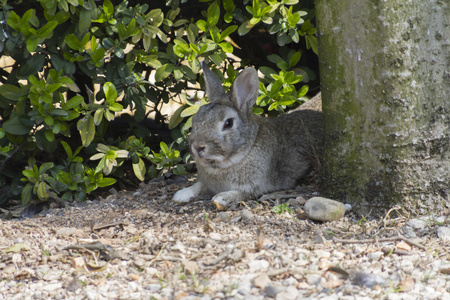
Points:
164	148
31	175
10	91
86	127
245	28
15	127
85	20
110	93
227	47
45	167
274	58
42	191
31	66
73	102
228	31
176	118
26	194
294	59
32	44
202	25
213	14
98	116
67	149
47	29
104	182
73	42
163	72
191	110
116	107
139	170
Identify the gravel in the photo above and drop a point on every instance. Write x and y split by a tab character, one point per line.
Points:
140	245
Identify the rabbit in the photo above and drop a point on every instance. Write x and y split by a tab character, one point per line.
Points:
239	154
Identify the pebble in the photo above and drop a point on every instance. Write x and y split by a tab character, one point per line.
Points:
313	279
272	290
323	209
416	223
444	233
258	265
190	267
289	293
247	215
261	281
375	256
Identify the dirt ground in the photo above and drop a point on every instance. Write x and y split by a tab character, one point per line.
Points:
140	245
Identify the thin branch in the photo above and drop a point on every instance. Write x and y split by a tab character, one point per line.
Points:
376	240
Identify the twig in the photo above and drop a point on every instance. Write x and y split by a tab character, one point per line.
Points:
157	255
376	240
103	226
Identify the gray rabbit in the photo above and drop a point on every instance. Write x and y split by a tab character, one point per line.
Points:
240	154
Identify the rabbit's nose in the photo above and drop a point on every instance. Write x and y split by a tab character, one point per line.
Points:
200	150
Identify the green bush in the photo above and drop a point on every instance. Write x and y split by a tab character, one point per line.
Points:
78	64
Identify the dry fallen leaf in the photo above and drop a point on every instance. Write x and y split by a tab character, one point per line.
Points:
259	243
406	284
404	246
18	248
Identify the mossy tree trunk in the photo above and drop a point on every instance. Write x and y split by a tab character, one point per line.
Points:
385	74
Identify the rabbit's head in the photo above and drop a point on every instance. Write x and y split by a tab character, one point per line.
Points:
224	130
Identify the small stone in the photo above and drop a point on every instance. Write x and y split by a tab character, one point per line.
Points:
406	285
347	207
313	279
322	254
222	217
153	287
133	276
190	267
78	262
323	209
368	280
258	265
247	215
416	223
272	290
64	231
403	246
444	233
237	255
375	256
319	239
289	293
261	281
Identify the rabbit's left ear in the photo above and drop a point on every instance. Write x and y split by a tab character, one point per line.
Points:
214	88
245	90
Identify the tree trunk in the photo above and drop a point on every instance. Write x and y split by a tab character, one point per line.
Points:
385	74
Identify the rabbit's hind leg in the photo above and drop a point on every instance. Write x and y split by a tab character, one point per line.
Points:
228	200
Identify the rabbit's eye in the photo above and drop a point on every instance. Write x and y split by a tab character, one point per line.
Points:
228	124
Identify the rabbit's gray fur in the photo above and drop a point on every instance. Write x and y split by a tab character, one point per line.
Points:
253	156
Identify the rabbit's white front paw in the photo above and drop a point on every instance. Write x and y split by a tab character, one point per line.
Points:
226	200
183	196
187	194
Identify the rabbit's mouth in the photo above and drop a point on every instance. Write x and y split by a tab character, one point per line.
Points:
220	161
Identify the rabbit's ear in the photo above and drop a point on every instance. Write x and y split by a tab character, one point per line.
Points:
245	90
214	89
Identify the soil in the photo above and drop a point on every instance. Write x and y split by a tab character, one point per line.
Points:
140	245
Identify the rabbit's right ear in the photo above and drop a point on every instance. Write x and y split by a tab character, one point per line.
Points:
245	90
214	89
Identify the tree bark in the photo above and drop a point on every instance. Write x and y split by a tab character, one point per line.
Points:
385	75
